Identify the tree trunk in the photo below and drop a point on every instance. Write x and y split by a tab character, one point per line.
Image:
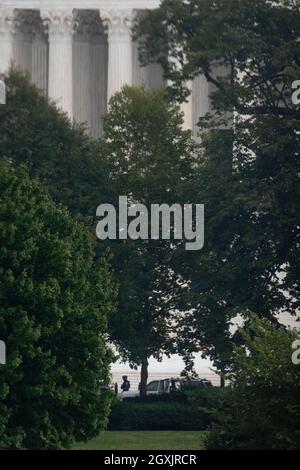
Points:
222	381
222	377
144	378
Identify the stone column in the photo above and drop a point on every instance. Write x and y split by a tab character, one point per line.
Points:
201	101
7	33
187	106
151	75
187	109
221	71
60	26
82	98
39	57
22	51
99	61
118	24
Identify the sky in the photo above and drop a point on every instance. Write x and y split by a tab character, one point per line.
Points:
174	364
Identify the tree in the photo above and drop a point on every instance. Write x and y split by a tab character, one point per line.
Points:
262	372
256	41
151	161
53	307
60	154
247	174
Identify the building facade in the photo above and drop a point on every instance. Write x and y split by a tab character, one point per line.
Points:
80	52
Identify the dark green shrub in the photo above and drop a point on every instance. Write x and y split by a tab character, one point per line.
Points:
208	402
60	154
53	301
261	410
155	415
178	396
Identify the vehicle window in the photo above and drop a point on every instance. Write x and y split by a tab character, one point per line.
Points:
153	386
161	387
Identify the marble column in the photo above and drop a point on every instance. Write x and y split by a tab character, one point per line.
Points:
39	57
151	75
140	74
7	33
60	26
187	108
203	91
22	50
201	101
99	61
82	98
118	24
221	72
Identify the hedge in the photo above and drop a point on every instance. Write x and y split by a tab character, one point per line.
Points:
153	415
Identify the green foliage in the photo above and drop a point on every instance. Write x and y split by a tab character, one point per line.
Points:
60	154
154	415
256	37
247	175
150	159
53	303
190	409
208	402
261	409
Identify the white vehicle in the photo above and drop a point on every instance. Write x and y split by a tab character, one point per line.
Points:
165	386
159	387
155	387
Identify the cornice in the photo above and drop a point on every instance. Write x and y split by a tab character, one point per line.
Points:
80	4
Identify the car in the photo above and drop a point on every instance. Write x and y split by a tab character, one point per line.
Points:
169	385
198	383
160	387
155	387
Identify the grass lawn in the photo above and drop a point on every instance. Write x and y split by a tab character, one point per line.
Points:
145	440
